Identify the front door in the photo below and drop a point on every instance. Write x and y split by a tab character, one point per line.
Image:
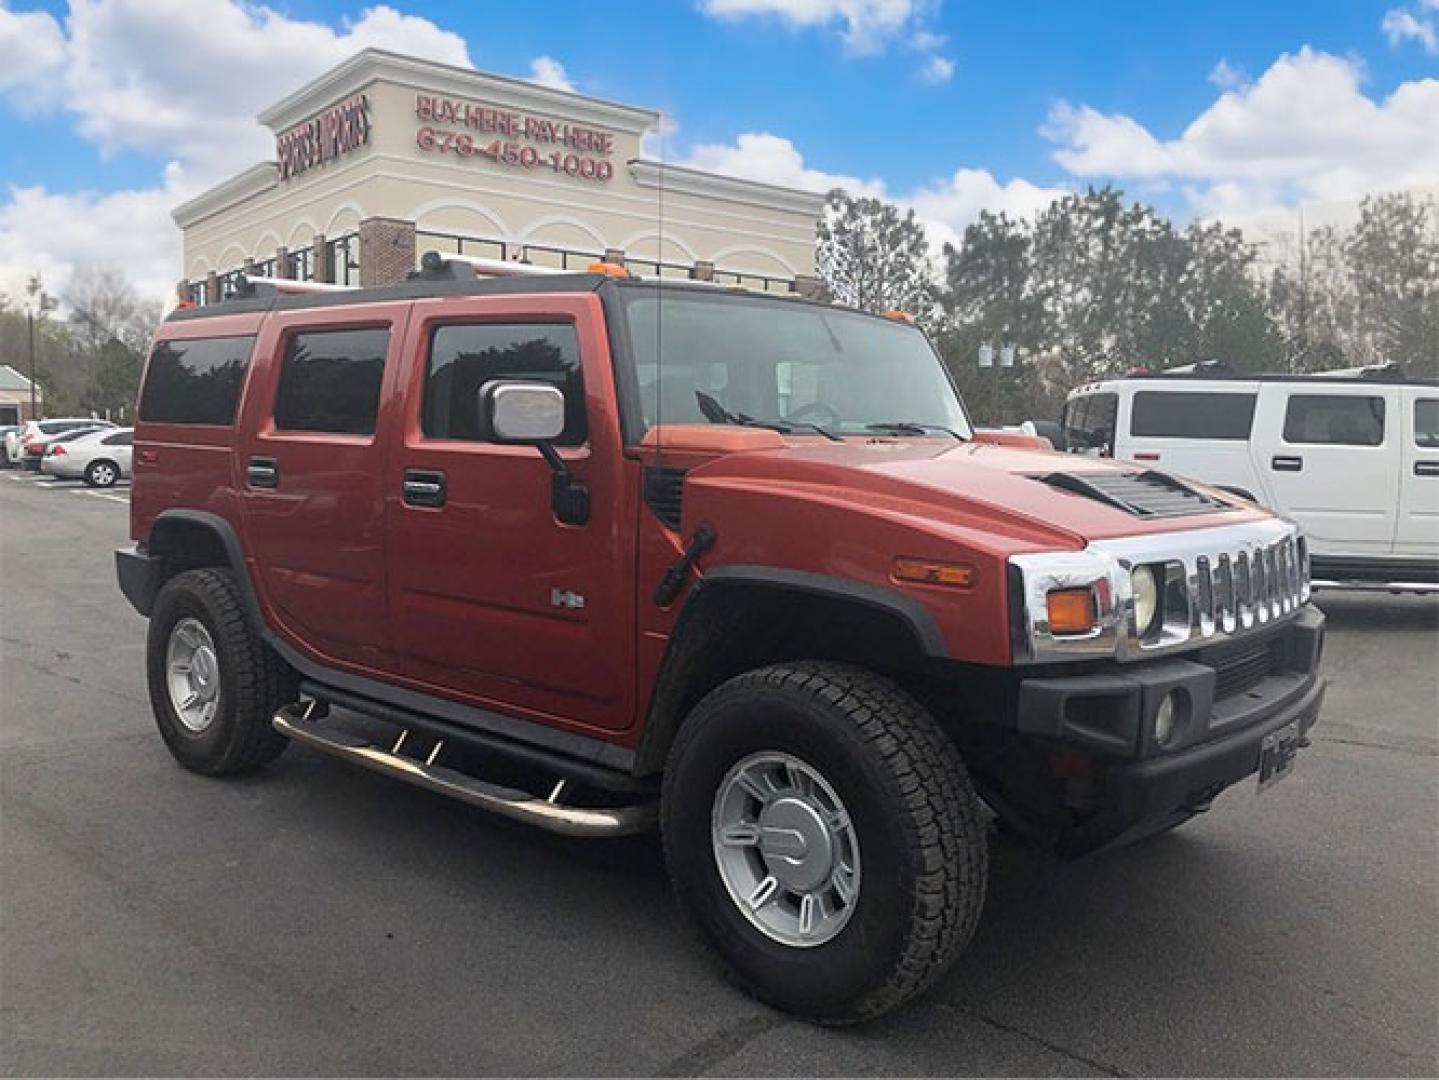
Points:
493	600
1334	467
1418	527
311	473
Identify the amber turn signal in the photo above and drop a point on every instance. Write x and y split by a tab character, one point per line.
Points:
898	315
612	269
934	573
1071	611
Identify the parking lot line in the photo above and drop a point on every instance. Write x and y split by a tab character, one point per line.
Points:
104	495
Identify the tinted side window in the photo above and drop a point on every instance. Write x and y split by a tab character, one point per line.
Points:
122	439
330	381
196	381
1426	423
1089	422
1335	419
465	357
1192	415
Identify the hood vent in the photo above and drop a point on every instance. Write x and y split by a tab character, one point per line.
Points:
664	493
1144	494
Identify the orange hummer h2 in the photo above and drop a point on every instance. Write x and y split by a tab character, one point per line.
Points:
599	552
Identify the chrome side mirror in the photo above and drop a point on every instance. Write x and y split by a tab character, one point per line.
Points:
522	412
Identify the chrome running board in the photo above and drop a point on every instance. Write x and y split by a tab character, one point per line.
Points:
548	813
1361	585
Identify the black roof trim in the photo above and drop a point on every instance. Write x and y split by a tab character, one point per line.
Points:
1300	380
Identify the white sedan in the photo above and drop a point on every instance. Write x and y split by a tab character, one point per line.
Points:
100	458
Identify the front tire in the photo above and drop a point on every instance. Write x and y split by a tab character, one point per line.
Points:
823	836
214	684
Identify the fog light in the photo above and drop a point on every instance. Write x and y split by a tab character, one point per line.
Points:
1168	719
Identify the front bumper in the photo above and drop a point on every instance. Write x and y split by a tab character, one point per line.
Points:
1108	717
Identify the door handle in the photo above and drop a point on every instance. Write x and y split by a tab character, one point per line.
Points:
263	472
423	487
1287	464
1426	468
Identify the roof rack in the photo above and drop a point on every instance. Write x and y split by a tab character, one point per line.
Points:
247	286
435	264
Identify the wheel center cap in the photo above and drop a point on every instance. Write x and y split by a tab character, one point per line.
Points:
795	844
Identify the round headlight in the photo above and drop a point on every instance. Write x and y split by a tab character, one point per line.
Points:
1146	597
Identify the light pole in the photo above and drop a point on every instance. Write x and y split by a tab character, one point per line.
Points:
38	302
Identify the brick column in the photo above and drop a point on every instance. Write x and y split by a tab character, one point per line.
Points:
806	285
320	267
387	251
249	267
615	255
282	263
702	271
212	288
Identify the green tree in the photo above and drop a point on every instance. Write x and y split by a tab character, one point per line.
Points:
870	256
1393	260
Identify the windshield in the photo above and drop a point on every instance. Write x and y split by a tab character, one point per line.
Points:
732	359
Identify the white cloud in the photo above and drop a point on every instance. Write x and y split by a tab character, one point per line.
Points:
32	54
1401	25
1228	77
547	71
183	79
944	207
53	233
1304	130
866	26
936	70
772	159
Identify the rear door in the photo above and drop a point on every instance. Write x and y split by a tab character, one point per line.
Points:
311	462
493	600
1199	433
1417	532
1331	462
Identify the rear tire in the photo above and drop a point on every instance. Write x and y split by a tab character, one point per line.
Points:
102	474
917	844
214	683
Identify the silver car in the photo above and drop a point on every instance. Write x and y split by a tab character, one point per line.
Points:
100	458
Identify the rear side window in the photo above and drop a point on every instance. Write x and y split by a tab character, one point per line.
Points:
1334	419
1207	415
1426	423
465	357
330	381
1089	422
122	439
196	381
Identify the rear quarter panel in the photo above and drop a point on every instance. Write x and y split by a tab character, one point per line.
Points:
189	466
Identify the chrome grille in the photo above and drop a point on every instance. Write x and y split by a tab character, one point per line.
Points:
1214	585
1227	592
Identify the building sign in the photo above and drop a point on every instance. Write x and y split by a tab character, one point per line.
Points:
339	130
514	140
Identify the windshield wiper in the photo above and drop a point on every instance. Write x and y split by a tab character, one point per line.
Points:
910	427
716	413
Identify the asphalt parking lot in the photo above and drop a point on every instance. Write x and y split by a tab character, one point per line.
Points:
317	919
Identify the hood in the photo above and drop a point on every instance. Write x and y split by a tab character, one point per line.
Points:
1051	499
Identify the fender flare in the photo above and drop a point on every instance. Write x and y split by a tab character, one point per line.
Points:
664	715
229	541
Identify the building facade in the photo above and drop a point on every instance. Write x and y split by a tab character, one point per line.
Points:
387	157
17	396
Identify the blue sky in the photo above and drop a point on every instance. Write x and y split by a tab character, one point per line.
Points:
108	100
